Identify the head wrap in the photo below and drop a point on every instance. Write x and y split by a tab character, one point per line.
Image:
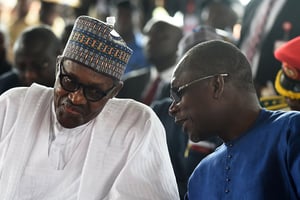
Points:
98	46
287	81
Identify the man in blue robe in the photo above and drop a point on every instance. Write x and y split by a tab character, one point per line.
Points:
214	95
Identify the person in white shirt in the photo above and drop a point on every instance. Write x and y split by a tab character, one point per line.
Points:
76	140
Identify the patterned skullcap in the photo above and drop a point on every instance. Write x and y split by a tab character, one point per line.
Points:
98	46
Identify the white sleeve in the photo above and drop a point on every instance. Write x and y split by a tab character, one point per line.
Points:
10	102
148	172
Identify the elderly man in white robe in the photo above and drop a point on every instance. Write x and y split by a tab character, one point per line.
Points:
77	141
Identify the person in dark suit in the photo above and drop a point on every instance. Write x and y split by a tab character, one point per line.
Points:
264	64
35	52
161	51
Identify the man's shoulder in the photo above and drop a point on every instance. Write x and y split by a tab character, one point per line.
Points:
280	123
130	119
292	117
19	93
282	115
130	104
13	100
8	80
14	93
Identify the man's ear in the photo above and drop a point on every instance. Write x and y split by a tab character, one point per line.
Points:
218	86
117	89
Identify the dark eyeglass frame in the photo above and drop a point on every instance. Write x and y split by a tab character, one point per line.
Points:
176	94
77	86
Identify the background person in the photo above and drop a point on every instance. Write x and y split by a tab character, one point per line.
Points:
263	26
145	84
35	52
131	34
161	51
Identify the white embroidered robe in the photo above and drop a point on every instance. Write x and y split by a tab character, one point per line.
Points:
126	154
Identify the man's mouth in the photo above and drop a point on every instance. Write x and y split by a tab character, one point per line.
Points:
73	110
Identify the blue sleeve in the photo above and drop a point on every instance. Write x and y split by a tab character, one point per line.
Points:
293	153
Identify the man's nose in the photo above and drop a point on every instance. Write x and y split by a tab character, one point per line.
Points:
77	97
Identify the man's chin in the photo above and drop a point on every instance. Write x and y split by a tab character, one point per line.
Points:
196	137
193	137
69	123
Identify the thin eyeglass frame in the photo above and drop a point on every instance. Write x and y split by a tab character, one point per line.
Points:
176	96
200	79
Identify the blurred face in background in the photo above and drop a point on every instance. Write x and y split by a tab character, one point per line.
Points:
35	63
35	53
162	42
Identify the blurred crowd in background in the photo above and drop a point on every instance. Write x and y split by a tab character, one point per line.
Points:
234	20
16	15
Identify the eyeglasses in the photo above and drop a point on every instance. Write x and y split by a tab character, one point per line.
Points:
176	94
70	84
